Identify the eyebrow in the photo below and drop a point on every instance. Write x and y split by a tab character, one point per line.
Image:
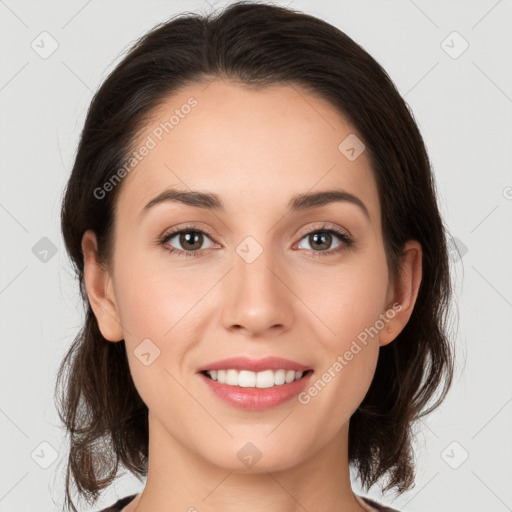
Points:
213	202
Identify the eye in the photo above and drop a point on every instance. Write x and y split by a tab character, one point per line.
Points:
321	238
191	239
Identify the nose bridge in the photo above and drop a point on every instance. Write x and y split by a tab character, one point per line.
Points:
256	296
253	264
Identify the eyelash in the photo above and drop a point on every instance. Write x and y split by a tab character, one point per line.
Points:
347	241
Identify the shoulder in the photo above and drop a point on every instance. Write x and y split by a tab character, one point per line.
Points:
378	507
119	504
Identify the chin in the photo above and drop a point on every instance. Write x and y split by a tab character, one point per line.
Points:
258	455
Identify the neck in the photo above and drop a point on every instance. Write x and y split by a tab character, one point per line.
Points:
178	479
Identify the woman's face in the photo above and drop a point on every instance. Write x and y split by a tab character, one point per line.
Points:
259	286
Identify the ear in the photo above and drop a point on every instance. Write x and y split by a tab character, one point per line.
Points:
403	292
100	290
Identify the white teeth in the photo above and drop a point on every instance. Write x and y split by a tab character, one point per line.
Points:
265	379
232	377
248	379
280	377
290	376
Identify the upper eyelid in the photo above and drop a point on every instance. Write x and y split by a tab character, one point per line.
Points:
327	226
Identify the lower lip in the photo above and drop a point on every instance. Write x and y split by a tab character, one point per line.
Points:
256	399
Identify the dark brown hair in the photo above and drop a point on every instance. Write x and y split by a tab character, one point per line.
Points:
257	45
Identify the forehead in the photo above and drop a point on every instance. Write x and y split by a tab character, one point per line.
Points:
252	147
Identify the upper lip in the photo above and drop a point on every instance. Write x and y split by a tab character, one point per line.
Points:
254	365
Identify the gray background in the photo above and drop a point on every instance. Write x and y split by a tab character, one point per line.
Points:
463	106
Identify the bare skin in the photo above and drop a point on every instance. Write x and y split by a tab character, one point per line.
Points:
255	149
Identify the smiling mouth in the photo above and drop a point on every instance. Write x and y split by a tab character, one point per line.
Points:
249	379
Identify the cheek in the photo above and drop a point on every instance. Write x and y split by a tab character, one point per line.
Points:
342	380
347	301
350	309
153	297
155	305
158	305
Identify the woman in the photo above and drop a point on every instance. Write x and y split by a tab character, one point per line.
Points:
253	222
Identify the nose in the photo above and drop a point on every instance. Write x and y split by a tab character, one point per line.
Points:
257	297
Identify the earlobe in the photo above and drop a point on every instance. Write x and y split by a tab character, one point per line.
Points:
100	290
404	292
